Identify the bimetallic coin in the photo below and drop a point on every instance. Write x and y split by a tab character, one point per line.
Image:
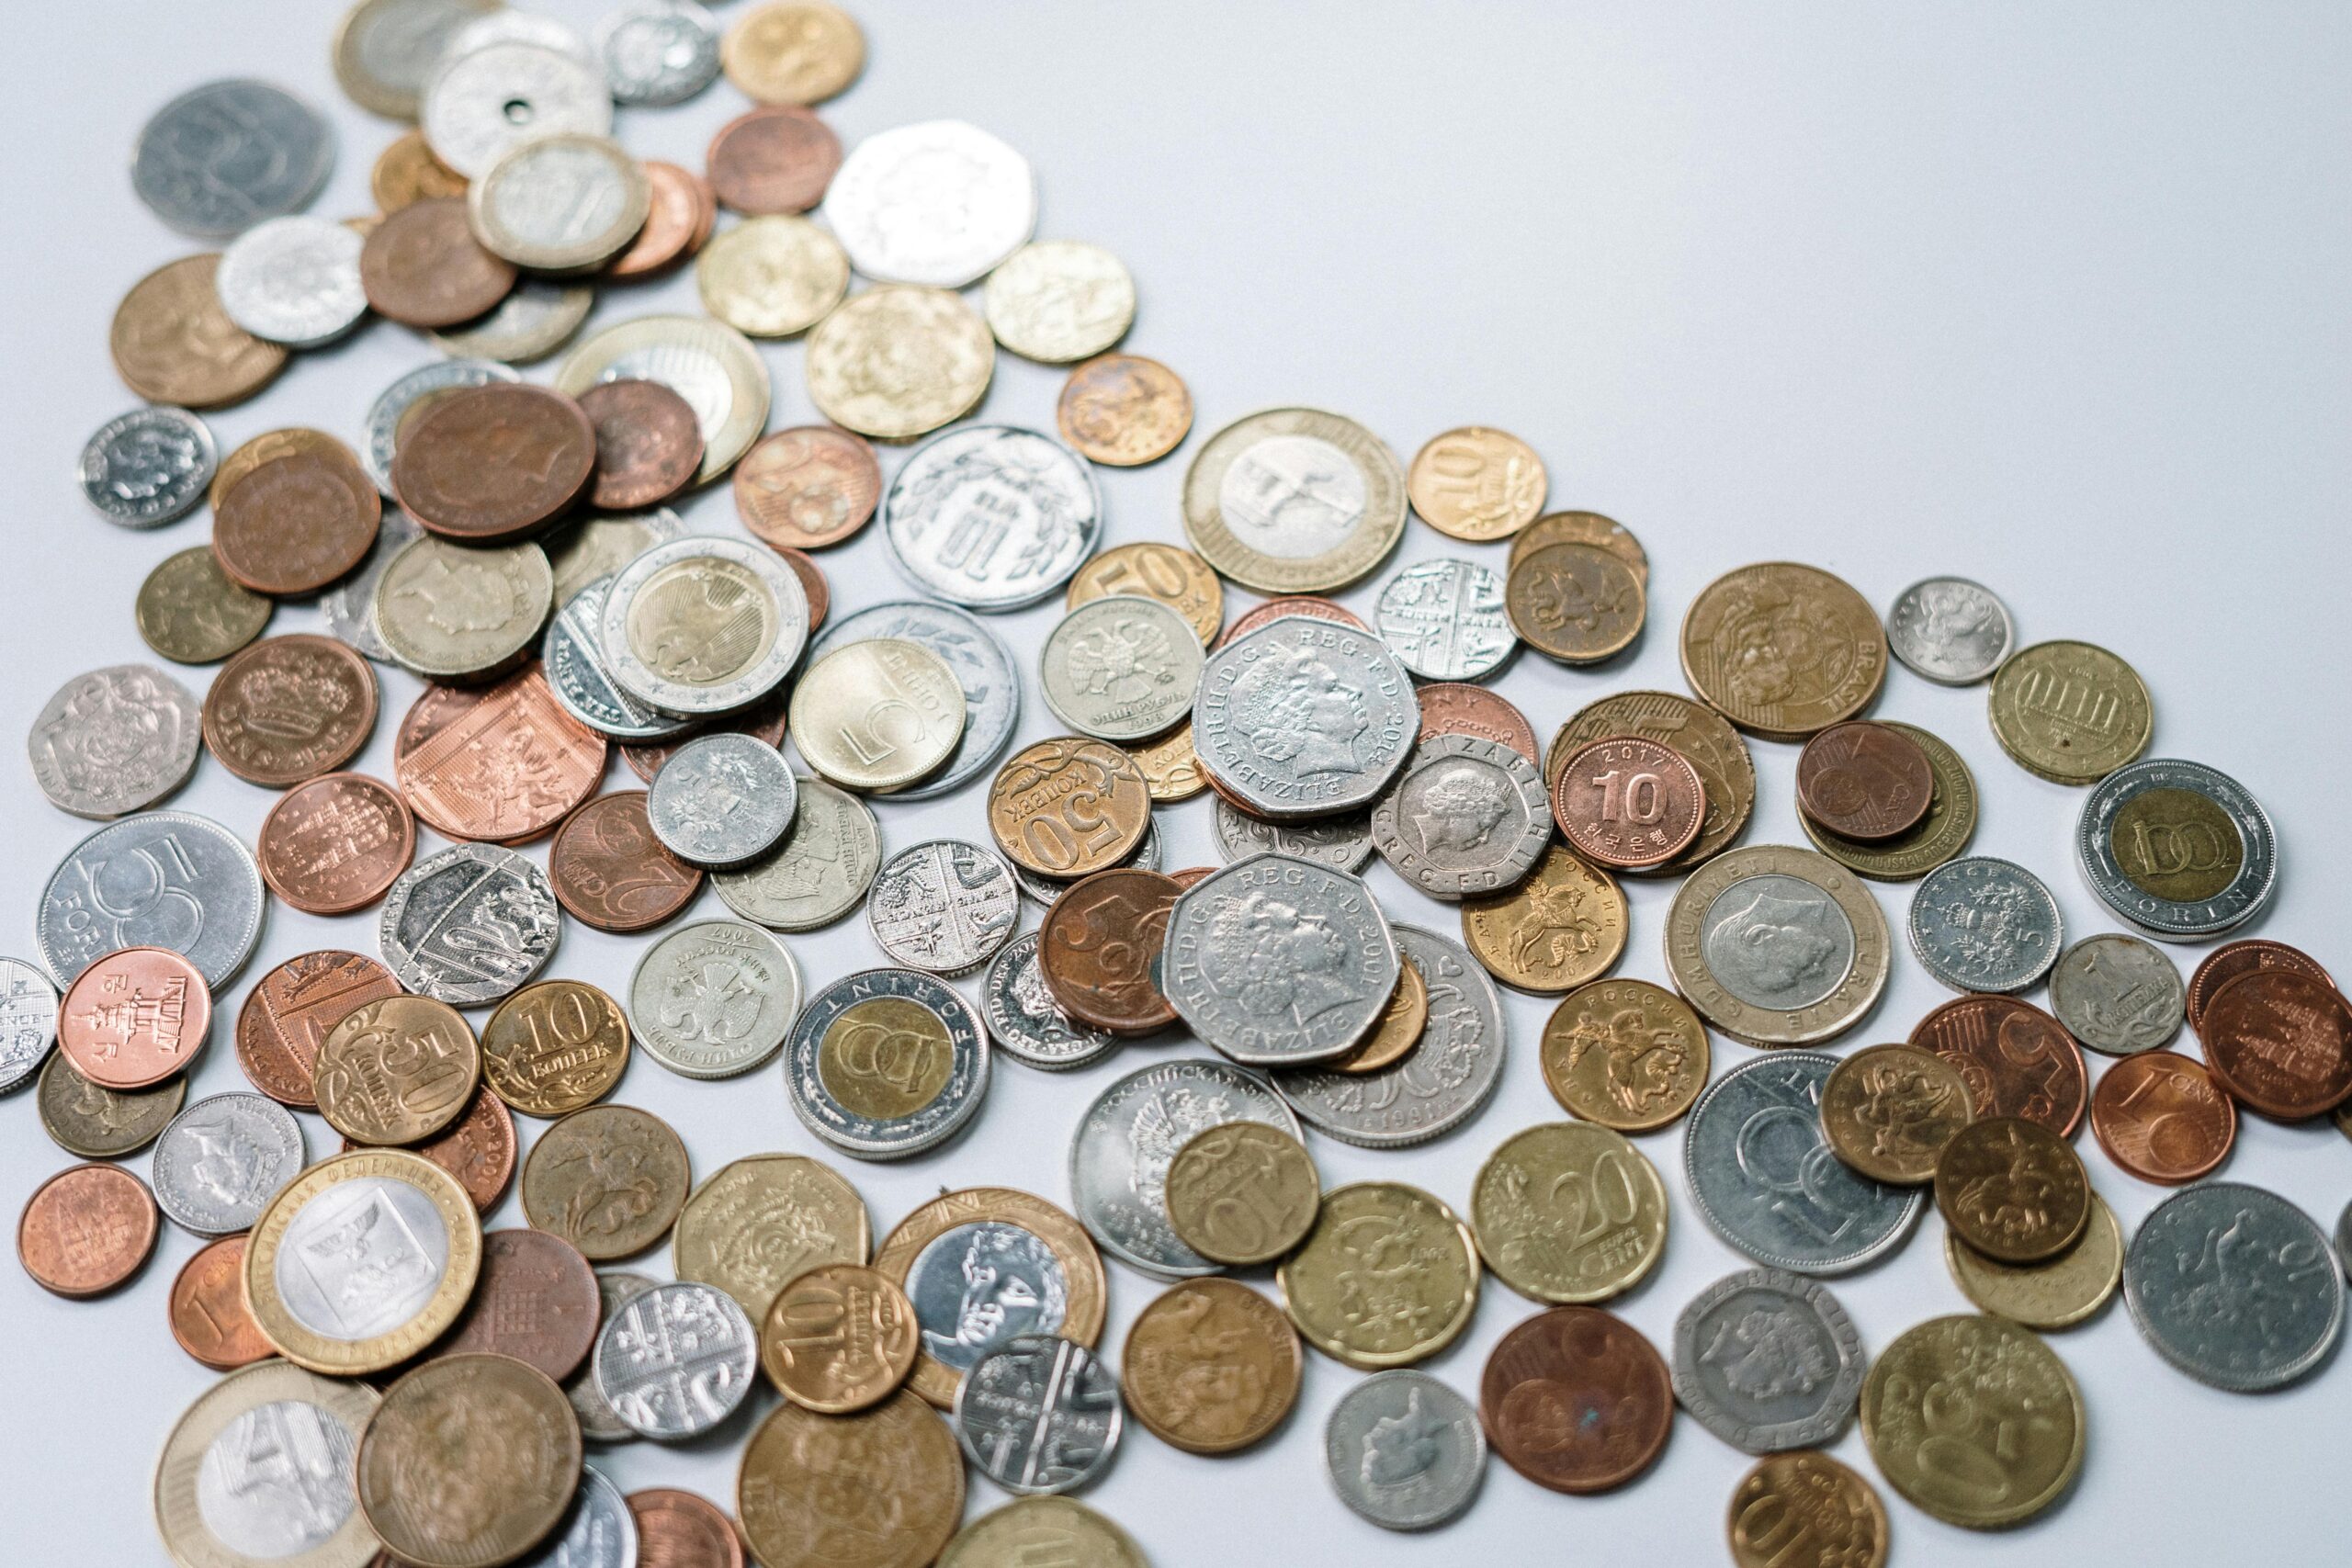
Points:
1468	817
1024	1021
1940	835
1387	1277
259	1470
722	800
657	52
897	362
878	715
1294	501
1783	651
1122	668
493	1438
470	925
1404	1450
1343	843
1563	927
1986	925
1038	1414
701	626
840	1338
2118	994
2070	711
160	879
224	156
2017	1060
144	468
28	1020
886	1064
1211	1367
1477	484
822	870
559	203
1278	962
1767	1362
97	1122
809	1482
1626	1053
396	1070
993	517
2179	850
451	611
1888	1110
1576	603
609	1179
944	906
1576	1400
572	658
2164	1118
1699	734
193	612
1974	1420
758	1223
676	1360
1303	718
2012	1190
1445	620
1952	631
2068	1290
714	1000
293	281
348	607
983	666
1806	1510
1027	1525
707	363
1777	946
222	1159
938	203
1569	1211
115	740
1242	1192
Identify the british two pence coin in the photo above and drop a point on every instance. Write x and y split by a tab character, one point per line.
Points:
1783	651
878	715
1294	501
289	1013
452	761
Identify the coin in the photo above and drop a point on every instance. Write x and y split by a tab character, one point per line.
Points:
1888	1110
384	48
296	524
146	467
2235	1286
169	877
448	612
2277	1039
878	715
1938	837
943	906
982	665
684	211
488	464
1313	606
469	1461
1027	1525
649	445
1974	1420
723	799
1575	1400
774	158
1100	947
259	1470
1952	631
1576	603
1627	802
348	607
2012	1190
1122	668
886	1063
293	280
1404	1450
1279	962
191	612
793	52
609	1179
809	487
1241	1192
994	517
838	1338
1562	926
292	441
1123	409
532	323
2061	1294
1301	719
755	1224
172	342
335	843
2231	958
1468	817
85	1118
86	1230
1294	501
1477	484
478	1149
1767	1362
536	1301
1775	946
709	363
1783	651
1211	1367
2070	711
479	102
2162	1118
28	1020
396	1070
715	998
422	266
1059	300
2179	850
1343	843
822	870
223	156
1569	1211
607	869
657	52
289	708
896	363
1172	769
1583	529
502	763
2017	1060
1402	1023
115	740
406	171
1445	620
1864	781
810	1481
577	669
1626	1053
1038	1414
208	1316
221	1160
676	1360
1698	733
938	203
470	925
1985	924
1387	1277
1026	1022
551	1048
684	1530
1454	708
1804	1509
135	1017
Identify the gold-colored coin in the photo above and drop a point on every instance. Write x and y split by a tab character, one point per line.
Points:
1398	1032
772	276
1477	484
396	1071
1700	733
97	1123
294	441
406	171
883	1488
1387	1277
793	52
1974	1419
1123	409
452	611
1625	1054
899	361
1569	1211
1169	573
191	612
886	1082
1582	528
469	1461
838	1338
2013	1189
1058	301
1068	807
1034	1532
553	1047
240	1421
610	1179
1783	651
1889	1111
2150	833
1776	945
1939	836
1294	501
1171	768
756	1224
2070	711
1804	1509
1211	1367
1560	928
1578	603
878	715
1241	1193
174	344
2067	1290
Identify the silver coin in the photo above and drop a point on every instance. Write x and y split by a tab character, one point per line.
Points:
1025	1022
573	659
1145	857
940	202
1985	924
274	1481
1765	1181
657	52
224	156
1343	843
1445	620
479	102
1950	630
1442	1083
1305	719
983	667
944	906
222	1159
348	1291
2118	994
393	404
509	26
822	870
2344	1238
349	607
538	316
722	799
160	879
561	204
1405	1450
470	925
293	280
28	1020
1468	817
877	1083
1120	1154
982	1285
1121	668
1279	963
714	998
1767	1360
2235	1286
115	740
597	1422
599	1532
992	517
725	622
676	1360
2169	866
144	468
1039	1415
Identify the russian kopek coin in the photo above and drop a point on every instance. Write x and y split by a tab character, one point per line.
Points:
2118	994
224	156
222	1159
470	925
1145	857
572	655
700	627
983	667
479	102
115	740
657	52
1025	1022
1445	620
349	607
1767	1360
1343	843
144	468
160	879
2235	1286
1121	668
1468	817
886	1064
822	870
259	1470
1294	501
293	281
676	1360
1952	631
407	399
1305	719
944	906
1985	924
722	799
28	1020
714	998
1405	1450
992	517
2178	849
599	1532
939	202
1039	1415
1776	945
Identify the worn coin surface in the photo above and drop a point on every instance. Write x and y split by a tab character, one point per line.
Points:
938	203
297	522
222	1159
943	906
2278	1040
1952	631
1303	719
822	870
897	362
2067	1290
1242	1192
534	321
1294	501
115	740
471	1461
1025	1022
1569	1211
86	1230
406	171
757	1223
1122	667
793	52
1404	1450
983	666
649	444
1343	843
1582	528
1059	300
1865	781
2012	1190
1578	603
2016	1057
398	406
773	275
1985	925
97	1122
1783	651
1477	484
293	280
676	1360
883	1488
470	925
2235	1286
708	363
208	1316
1767	1360
448	612
838	1338
715	998
1123	409
1101	949
191	611
1576	1400
1698	733
608	869
1387	1277
135	1017
886	1063
2118	994
1038	1414
396	1070
809	487
502	763
1777	946
167	879
1445	620
1467	818
2070	711
1278	962
144	468
1628	802
1938	836
1563	926
1802	1509
609	1179
2163	1117
878	715
536	1301
1888	1110
1211	1367
172	343
2179	850
259	1470
423	266
224	156
1974	1420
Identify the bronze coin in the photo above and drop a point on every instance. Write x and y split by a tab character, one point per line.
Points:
1576	1400
536	1299
808	488
676	223
2231	958
1211	1367
764	722
609	870
1192	875
838	1338
1455	707
610	1179
2019	1060
478	1150
291	708
2163	1117
683	1530
297	523
1804	1509
335	843
288	1013
210	1317
649	444
1627	802
135	1017
2280	1041
1099	949
172	342
1866	781
407	170
85	1118
286	441
496	764
2012	1191
554	1047
813	586
423	268
1123	409
86	1230
1577	604
775	159
493	463
1395	1034
1313	606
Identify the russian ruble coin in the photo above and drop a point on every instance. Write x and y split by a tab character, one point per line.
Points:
398	406
1767	1362
191	611
385	48
348	607
144	468
1477	484
676	1360
1294	501
599	1532
159	879
28	1020
714	1000
886	1063
560	204
1985	924
898	362
97	1123
773	275
722	800
1242	1192
491	1439
538	316
222	1159
983	667
470	925
2070	711
1387	1277
228	156
1445	1079
1806	1507
822	870
1626	1053
1445	620
993	517
452	611
584	550
1569	1211
1466	819
1404	1450
2179	850
1939	837
2118	994
1212	1367
2060	1293
707	363
572	655
1974	1419
1058	301
943	906
259	1470
1950	630
479	102
1563	927
1278	962
701	626
115	740
1782	649
939	203
1122	668
793	52
2235	1286
657	52
1777	946
1024	1021
1343	843
293	281
878	715
1305	719
1888	1110
809	1481
1039	1415
1002	1538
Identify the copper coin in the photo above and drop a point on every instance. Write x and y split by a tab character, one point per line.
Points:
610	871
496	764
86	1230
478	1150
649	444
286	441
297	523
336	843
775	159
493	463
1576	1400
288	1013
135	1017
683	1530
289	708
676	223
407	170
1454	707
2163	1117
2231	958
1865	781
423	268
764	722
1313	606
1627	801
2278	1040
1192	875
813	586
2012	1191
1124	409
210	1317
536	1299
172	342
2019	1060
1099	949
808	488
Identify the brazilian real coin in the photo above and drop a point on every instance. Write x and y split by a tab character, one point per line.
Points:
1777	946
2070	711
1294	501
886	1064
1974	1420
1783	651
2179	850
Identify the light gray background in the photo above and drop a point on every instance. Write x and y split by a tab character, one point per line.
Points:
2050	297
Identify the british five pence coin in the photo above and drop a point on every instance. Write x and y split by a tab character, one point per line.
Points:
944	906
722	800
1039	1415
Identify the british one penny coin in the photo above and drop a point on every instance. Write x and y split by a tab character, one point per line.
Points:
422	267
2231	958
2163	1117
135	1017
1626	802
2012	1191
840	1337
288	1013
1396	1033
173	342
210	1317
2019	1060
493	463
808	488
678	221
2279	1041
1865	781
609	870
775	158
496	764
1456	707
1313	606
553	1047
297	523
813	586
478	1149
536	1299
764	721
396	1071
1123	409
286	441
649	444
1193	876
407	170
1576	1400
1099	949
289	708
683	1530
86	1230
336	843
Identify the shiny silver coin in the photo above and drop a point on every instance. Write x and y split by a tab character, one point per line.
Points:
1145	857
349	607
701	626
1305	719
160	879
1121	668
982	1285
714	998
723	799
2235	1286
657	52
2118	994
573	659
392	406
1950	630
480	102
1343	843
509	26
886	1064
293	280
115	740
944	906
1767	1360
144	468
991	516
1120	1154
224	156
822	870
538	316
561	204
1764	1178
222	1159
2179	850
676	1360
2344	1237
1985	924
983	667
1468	817
470	925
1404	1450
1039	1415
1279	963
28	1021
1445	620
598	1424
599	1532
1025	1022
939	203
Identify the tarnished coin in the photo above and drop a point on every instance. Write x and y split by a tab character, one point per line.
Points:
470	925
649	444
1025	1022
609	1179
1865	781
2164	1118
97	1122
1888	1110
1985	924
897	362
87	1231
135	1017
1059	300
676	1360
208	1316
1387	1277
1569	1211
222	1159
1101	949
144	468
1343	843
809	1482
1626	1053
1294	501
1477	484
289	708
1302	718
755	1224
297	522
809	487
1211	1367
657	52
722	800
1278	962
1777	946
1974	1420
1468	817
772	160
1122	667
1582	528
840	1338
2017	1060
293	280
2278	1040
793	52
478	103
534	321
938	203
1038	1414
1628	802
399	407
2012	1190
714	998
259	1468
425	268
994	517
193	612
488	464
1806	1510
2235	1286
491	1440
1952	631
1576	603
2179	850
1445	620
1698	733
162	878
822	870
2067	1290
1000	1538
878	715
943	906
1563	927
1939	836
684	209
2231	958
537	1300
396	1070
1242	1192
1576	1400
2070	711
448	612
1123	409
608	870
172	343
115	740
886	1063
502	764
1783	651
553	1047
708	363
2118	994
224	156
28	1020
1767	1362
983	666
1404	1450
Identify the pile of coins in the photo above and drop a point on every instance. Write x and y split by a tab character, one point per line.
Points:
402	1379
